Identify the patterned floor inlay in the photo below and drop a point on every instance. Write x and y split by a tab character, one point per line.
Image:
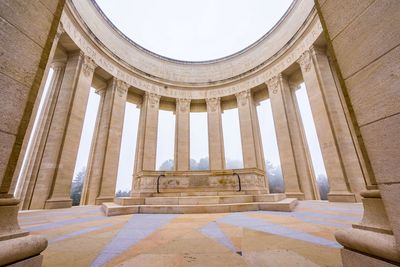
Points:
83	236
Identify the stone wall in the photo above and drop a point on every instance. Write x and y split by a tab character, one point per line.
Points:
364	37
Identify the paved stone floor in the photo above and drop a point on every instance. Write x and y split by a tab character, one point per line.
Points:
83	236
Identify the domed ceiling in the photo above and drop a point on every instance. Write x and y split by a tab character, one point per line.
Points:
192	30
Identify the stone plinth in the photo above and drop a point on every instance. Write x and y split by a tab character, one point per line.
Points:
252	179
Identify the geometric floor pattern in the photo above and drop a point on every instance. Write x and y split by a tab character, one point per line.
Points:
83	236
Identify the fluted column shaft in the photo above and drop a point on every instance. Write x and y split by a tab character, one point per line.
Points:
215	134
295	167
104	159
253	155
321	90
54	178
36	136
30	170
182	135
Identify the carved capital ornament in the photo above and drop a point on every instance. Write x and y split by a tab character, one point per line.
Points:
213	104
183	104
154	100
88	66
242	97
305	61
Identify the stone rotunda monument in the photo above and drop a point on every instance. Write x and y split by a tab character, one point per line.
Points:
345	52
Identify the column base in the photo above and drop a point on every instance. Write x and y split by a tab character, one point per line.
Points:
298	195
101	200
58	203
17	247
355	259
35	261
342	197
371	241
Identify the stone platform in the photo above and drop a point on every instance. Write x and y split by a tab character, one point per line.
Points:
199	202
84	236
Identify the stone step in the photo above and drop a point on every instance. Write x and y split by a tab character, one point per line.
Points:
198	200
112	209
205	193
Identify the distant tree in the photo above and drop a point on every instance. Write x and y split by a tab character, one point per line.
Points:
123	193
76	188
203	164
193	164
233	164
323	186
275	178
167	165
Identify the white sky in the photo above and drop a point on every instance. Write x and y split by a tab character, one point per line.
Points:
195	30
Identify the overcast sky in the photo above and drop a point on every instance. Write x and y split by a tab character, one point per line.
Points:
194	30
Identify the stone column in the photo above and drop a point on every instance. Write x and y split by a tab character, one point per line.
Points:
146	147
294	164
54	178
250	133
215	134
22	177
103	168
320	88
25	49
182	135
31	168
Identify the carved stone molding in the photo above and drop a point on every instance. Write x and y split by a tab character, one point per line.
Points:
305	61
183	104
242	97
88	66
60	30
154	100
213	104
141	82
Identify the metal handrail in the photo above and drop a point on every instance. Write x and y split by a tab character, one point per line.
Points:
240	184
158	182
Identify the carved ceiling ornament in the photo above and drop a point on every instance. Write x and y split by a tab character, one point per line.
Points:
88	66
242	97
213	104
183	104
305	61
154	99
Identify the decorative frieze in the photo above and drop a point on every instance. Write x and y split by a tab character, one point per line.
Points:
265	71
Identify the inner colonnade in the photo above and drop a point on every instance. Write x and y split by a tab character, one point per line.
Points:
346	53
79	64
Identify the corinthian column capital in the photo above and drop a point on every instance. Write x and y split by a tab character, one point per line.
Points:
213	104
88	66
154	99
183	105
274	84
305	61
242	97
